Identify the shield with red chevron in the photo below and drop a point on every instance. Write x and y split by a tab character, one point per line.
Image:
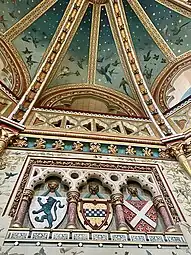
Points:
140	215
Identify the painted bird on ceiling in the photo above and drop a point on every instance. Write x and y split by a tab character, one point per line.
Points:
103	71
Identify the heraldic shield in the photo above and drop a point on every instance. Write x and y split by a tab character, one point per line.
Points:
47	211
95	214
140	215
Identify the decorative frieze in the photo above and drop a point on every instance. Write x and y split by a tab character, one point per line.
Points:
110	238
77	146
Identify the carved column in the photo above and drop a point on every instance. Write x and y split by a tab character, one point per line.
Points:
73	197
8	130
178	151
117	201
19	219
161	208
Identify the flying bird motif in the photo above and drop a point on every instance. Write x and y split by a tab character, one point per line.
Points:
9	175
2	21
116	63
12	14
148	56
179	41
100	59
177	29
79	63
163	60
30	62
111	72
26	39
123	84
27	51
71	59
103	71
156	56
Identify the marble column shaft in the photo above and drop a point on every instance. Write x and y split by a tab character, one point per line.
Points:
19	219
117	201
73	197
160	206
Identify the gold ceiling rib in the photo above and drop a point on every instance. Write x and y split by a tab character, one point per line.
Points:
64	17
149	104
120	51
28	19
94	44
151	29
69	39
14	59
29	98
179	6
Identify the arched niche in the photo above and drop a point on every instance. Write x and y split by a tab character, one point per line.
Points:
52	193
142	200
94	189
91	98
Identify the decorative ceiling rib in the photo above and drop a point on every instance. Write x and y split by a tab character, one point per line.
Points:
173	26
73	67
181	6
151	29
93	46
32	43
27	20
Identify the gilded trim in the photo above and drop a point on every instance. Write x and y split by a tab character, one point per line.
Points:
179	6
94	44
28	19
151	29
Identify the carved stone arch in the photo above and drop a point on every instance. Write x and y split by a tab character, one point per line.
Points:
43	175
99	176
20	79
163	82
64	94
144	182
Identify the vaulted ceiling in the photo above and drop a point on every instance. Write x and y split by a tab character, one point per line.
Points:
91	72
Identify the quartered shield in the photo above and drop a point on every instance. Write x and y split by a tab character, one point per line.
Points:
140	215
95	214
47	211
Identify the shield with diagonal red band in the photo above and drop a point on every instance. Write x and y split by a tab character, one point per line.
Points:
95	214
140	215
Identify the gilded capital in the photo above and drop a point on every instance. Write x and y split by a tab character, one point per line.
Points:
117	199
158	202
5	137
177	149
28	194
73	196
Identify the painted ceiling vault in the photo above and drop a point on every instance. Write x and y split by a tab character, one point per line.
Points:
92	56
